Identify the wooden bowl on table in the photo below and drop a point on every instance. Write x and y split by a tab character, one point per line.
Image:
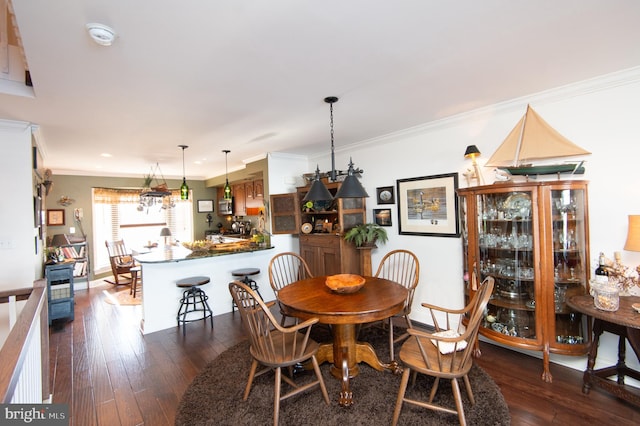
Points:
345	283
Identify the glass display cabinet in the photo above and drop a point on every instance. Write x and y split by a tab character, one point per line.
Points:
533	238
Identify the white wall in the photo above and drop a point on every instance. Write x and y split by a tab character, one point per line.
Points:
601	115
285	175
17	231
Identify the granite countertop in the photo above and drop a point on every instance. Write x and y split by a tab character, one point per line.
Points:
179	253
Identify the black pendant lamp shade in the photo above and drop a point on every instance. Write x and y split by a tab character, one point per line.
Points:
227	187
318	192
351	187
184	189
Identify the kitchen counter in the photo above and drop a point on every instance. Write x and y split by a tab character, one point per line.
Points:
178	253
162	268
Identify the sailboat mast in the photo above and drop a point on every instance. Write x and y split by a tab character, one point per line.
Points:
517	153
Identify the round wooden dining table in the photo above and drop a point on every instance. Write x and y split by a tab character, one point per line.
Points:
377	299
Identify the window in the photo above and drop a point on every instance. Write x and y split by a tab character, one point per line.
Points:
117	215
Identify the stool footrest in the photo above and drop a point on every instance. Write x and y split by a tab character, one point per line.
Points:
193	300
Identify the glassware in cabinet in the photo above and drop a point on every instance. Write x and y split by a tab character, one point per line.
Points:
505	252
570	266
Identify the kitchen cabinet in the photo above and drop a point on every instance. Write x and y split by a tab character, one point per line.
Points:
533	238
239	199
248	190
258	188
321	226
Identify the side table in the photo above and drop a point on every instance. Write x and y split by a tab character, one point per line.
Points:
625	322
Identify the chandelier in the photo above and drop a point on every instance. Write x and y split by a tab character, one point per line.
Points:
155	192
350	187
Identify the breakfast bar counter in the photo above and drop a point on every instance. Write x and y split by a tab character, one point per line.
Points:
161	268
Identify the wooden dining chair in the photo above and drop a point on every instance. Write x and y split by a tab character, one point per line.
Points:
446	353
121	261
274	346
403	267
284	269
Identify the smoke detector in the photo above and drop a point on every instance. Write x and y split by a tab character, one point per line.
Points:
101	34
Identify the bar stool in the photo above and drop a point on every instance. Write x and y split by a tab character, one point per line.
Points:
193	300
136	274
246	274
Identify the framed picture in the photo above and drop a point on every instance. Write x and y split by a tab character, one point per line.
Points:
382	217
385	195
37	212
55	217
428	205
205	206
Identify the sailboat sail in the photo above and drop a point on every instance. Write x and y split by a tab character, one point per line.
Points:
533	139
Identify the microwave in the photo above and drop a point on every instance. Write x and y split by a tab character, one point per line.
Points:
225	206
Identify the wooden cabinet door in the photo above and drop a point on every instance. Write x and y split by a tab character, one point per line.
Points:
258	188
239	200
329	260
285	218
249	190
329	254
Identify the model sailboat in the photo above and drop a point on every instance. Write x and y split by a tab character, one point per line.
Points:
534	139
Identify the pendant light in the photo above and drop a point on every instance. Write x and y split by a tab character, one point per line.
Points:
184	189
350	187
318	192
227	188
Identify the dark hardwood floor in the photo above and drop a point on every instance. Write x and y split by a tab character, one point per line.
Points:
110	374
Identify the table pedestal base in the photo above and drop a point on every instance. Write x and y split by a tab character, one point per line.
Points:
345	353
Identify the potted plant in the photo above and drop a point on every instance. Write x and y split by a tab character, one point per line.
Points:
366	235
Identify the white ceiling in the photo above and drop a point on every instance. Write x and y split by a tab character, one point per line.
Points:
251	75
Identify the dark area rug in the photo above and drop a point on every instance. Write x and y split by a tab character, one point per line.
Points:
215	395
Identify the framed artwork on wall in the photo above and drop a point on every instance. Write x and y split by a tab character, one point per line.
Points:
385	195
205	206
428	206
382	217
55	217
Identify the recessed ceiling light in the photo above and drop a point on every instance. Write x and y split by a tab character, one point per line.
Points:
105	154
101	34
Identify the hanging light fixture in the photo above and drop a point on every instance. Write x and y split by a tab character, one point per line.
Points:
184	189
318	192
227	188
157	194
350	187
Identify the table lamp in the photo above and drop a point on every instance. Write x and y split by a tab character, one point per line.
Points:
633	233
166	233
59	240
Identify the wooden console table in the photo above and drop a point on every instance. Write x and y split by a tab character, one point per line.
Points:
625	322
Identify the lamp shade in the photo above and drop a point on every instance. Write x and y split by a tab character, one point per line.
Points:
472	151
633	234
351	187
59	240
165	232
318	191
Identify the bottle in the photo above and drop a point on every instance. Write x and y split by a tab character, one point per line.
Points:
602	274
